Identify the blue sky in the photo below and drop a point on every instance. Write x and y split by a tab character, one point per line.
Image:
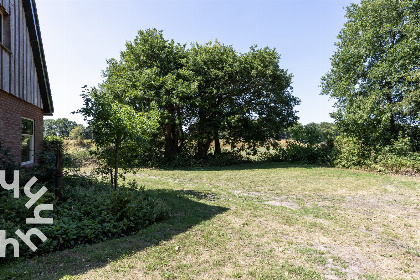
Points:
80	35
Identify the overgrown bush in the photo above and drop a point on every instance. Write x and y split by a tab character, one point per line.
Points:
7	162
349	152
398	157
80	154
296	152
187	158
45	170
91	211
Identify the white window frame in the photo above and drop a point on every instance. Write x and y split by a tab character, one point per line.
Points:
31	143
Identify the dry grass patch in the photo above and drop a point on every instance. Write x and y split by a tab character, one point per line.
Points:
263	221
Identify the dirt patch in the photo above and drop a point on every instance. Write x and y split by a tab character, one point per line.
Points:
287	204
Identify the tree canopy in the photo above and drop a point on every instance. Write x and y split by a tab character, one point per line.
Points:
120	133
60	127
203	93
374	74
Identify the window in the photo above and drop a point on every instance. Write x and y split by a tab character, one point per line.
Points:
1	26
27	143
4	29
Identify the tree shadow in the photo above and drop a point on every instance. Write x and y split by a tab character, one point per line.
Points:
188	209
249	166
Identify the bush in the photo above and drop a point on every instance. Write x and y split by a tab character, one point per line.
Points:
91	211
7	162
397	158
187	158
349	152
303	153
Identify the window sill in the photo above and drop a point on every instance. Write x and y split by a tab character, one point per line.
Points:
27	164
5	48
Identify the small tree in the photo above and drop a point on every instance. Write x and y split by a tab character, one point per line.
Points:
120	133
77	134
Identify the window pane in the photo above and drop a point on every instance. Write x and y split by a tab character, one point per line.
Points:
26	148
27	126
1	27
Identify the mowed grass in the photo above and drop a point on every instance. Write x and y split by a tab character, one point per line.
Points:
258	221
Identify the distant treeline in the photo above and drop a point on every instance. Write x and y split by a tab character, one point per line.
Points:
65	128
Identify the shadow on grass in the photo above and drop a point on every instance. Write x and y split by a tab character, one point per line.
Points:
249	166
185	213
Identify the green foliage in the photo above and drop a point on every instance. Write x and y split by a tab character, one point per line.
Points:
307	134
77	134
397	158
244	99
350	152
394	158
45	170
389	162
296	152
60	127
374	72
203	94
7	161
120	133
151	75
81	157
63	127
311	133
91	212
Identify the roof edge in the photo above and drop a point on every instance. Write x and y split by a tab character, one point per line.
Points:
35	38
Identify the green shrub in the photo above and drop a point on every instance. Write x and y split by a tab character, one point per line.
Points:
7	162
397	158
91	211
80	158
302	153
349	152
187	158
389	162
46	169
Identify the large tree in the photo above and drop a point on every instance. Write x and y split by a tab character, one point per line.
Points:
374	71
215	70
203	93
241	98
150	74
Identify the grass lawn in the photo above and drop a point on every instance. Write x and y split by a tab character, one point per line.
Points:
258	221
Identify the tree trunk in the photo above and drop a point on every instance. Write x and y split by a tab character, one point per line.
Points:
217	148
206	147
200	148
172	132
203	148
392	126
117	146
58	175
171	140
181	138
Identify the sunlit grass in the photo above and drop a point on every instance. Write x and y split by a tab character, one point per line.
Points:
258	221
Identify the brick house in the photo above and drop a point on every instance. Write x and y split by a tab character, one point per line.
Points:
25	95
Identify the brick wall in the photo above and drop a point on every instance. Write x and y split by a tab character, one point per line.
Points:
12	109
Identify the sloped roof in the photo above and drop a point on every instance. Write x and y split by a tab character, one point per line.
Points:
32	23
